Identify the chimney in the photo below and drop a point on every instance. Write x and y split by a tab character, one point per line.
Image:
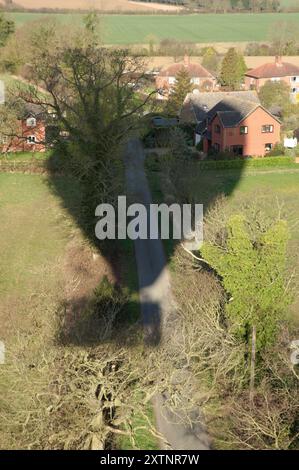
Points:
186	61
278	60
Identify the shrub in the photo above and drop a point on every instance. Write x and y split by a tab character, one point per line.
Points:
152	162
199	146
277	151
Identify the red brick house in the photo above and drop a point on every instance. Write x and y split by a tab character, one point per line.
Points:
241	127
31	133
276	71
199	76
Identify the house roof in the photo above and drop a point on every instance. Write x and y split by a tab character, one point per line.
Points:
33	110
232	111
195	70
273	70
197	106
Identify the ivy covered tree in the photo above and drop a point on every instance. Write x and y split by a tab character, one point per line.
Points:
252	270
233	69
179	91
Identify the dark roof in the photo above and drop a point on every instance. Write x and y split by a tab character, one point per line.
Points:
276	69
197	106
33	110
232	110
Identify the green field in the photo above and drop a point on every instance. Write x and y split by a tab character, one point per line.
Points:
134	29
288	3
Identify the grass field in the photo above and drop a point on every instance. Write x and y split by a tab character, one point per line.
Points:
46	262
288	3
134	29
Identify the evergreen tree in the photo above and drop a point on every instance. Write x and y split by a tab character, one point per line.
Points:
210	59
233	69
179	91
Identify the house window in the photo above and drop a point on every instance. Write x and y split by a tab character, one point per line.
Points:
217	129
243	130
267	129
217	147
195	80
31	122
268	147
31	139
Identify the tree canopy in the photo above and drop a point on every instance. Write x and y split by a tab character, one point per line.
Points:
253	274
233	69
179	91
275	94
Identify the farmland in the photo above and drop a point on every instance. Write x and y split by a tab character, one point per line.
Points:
134	29
102	5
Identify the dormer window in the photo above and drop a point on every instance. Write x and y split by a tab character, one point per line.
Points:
31	122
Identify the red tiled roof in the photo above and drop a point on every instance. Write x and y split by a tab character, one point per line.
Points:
195	70
276	69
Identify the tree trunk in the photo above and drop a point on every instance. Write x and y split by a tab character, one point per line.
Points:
252	364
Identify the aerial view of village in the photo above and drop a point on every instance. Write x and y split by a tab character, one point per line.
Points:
149	228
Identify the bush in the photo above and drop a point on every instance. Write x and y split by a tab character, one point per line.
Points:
199	146
152	162
277	151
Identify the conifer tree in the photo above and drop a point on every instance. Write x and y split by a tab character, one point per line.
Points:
210	59
179	91
233	69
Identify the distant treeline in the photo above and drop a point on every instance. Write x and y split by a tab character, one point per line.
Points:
204	6
224	6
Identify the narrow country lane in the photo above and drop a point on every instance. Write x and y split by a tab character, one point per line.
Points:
156	299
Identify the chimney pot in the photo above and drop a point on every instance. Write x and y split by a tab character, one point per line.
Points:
278	60
186	60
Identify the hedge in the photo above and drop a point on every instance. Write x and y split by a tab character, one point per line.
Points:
266	162
23	166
